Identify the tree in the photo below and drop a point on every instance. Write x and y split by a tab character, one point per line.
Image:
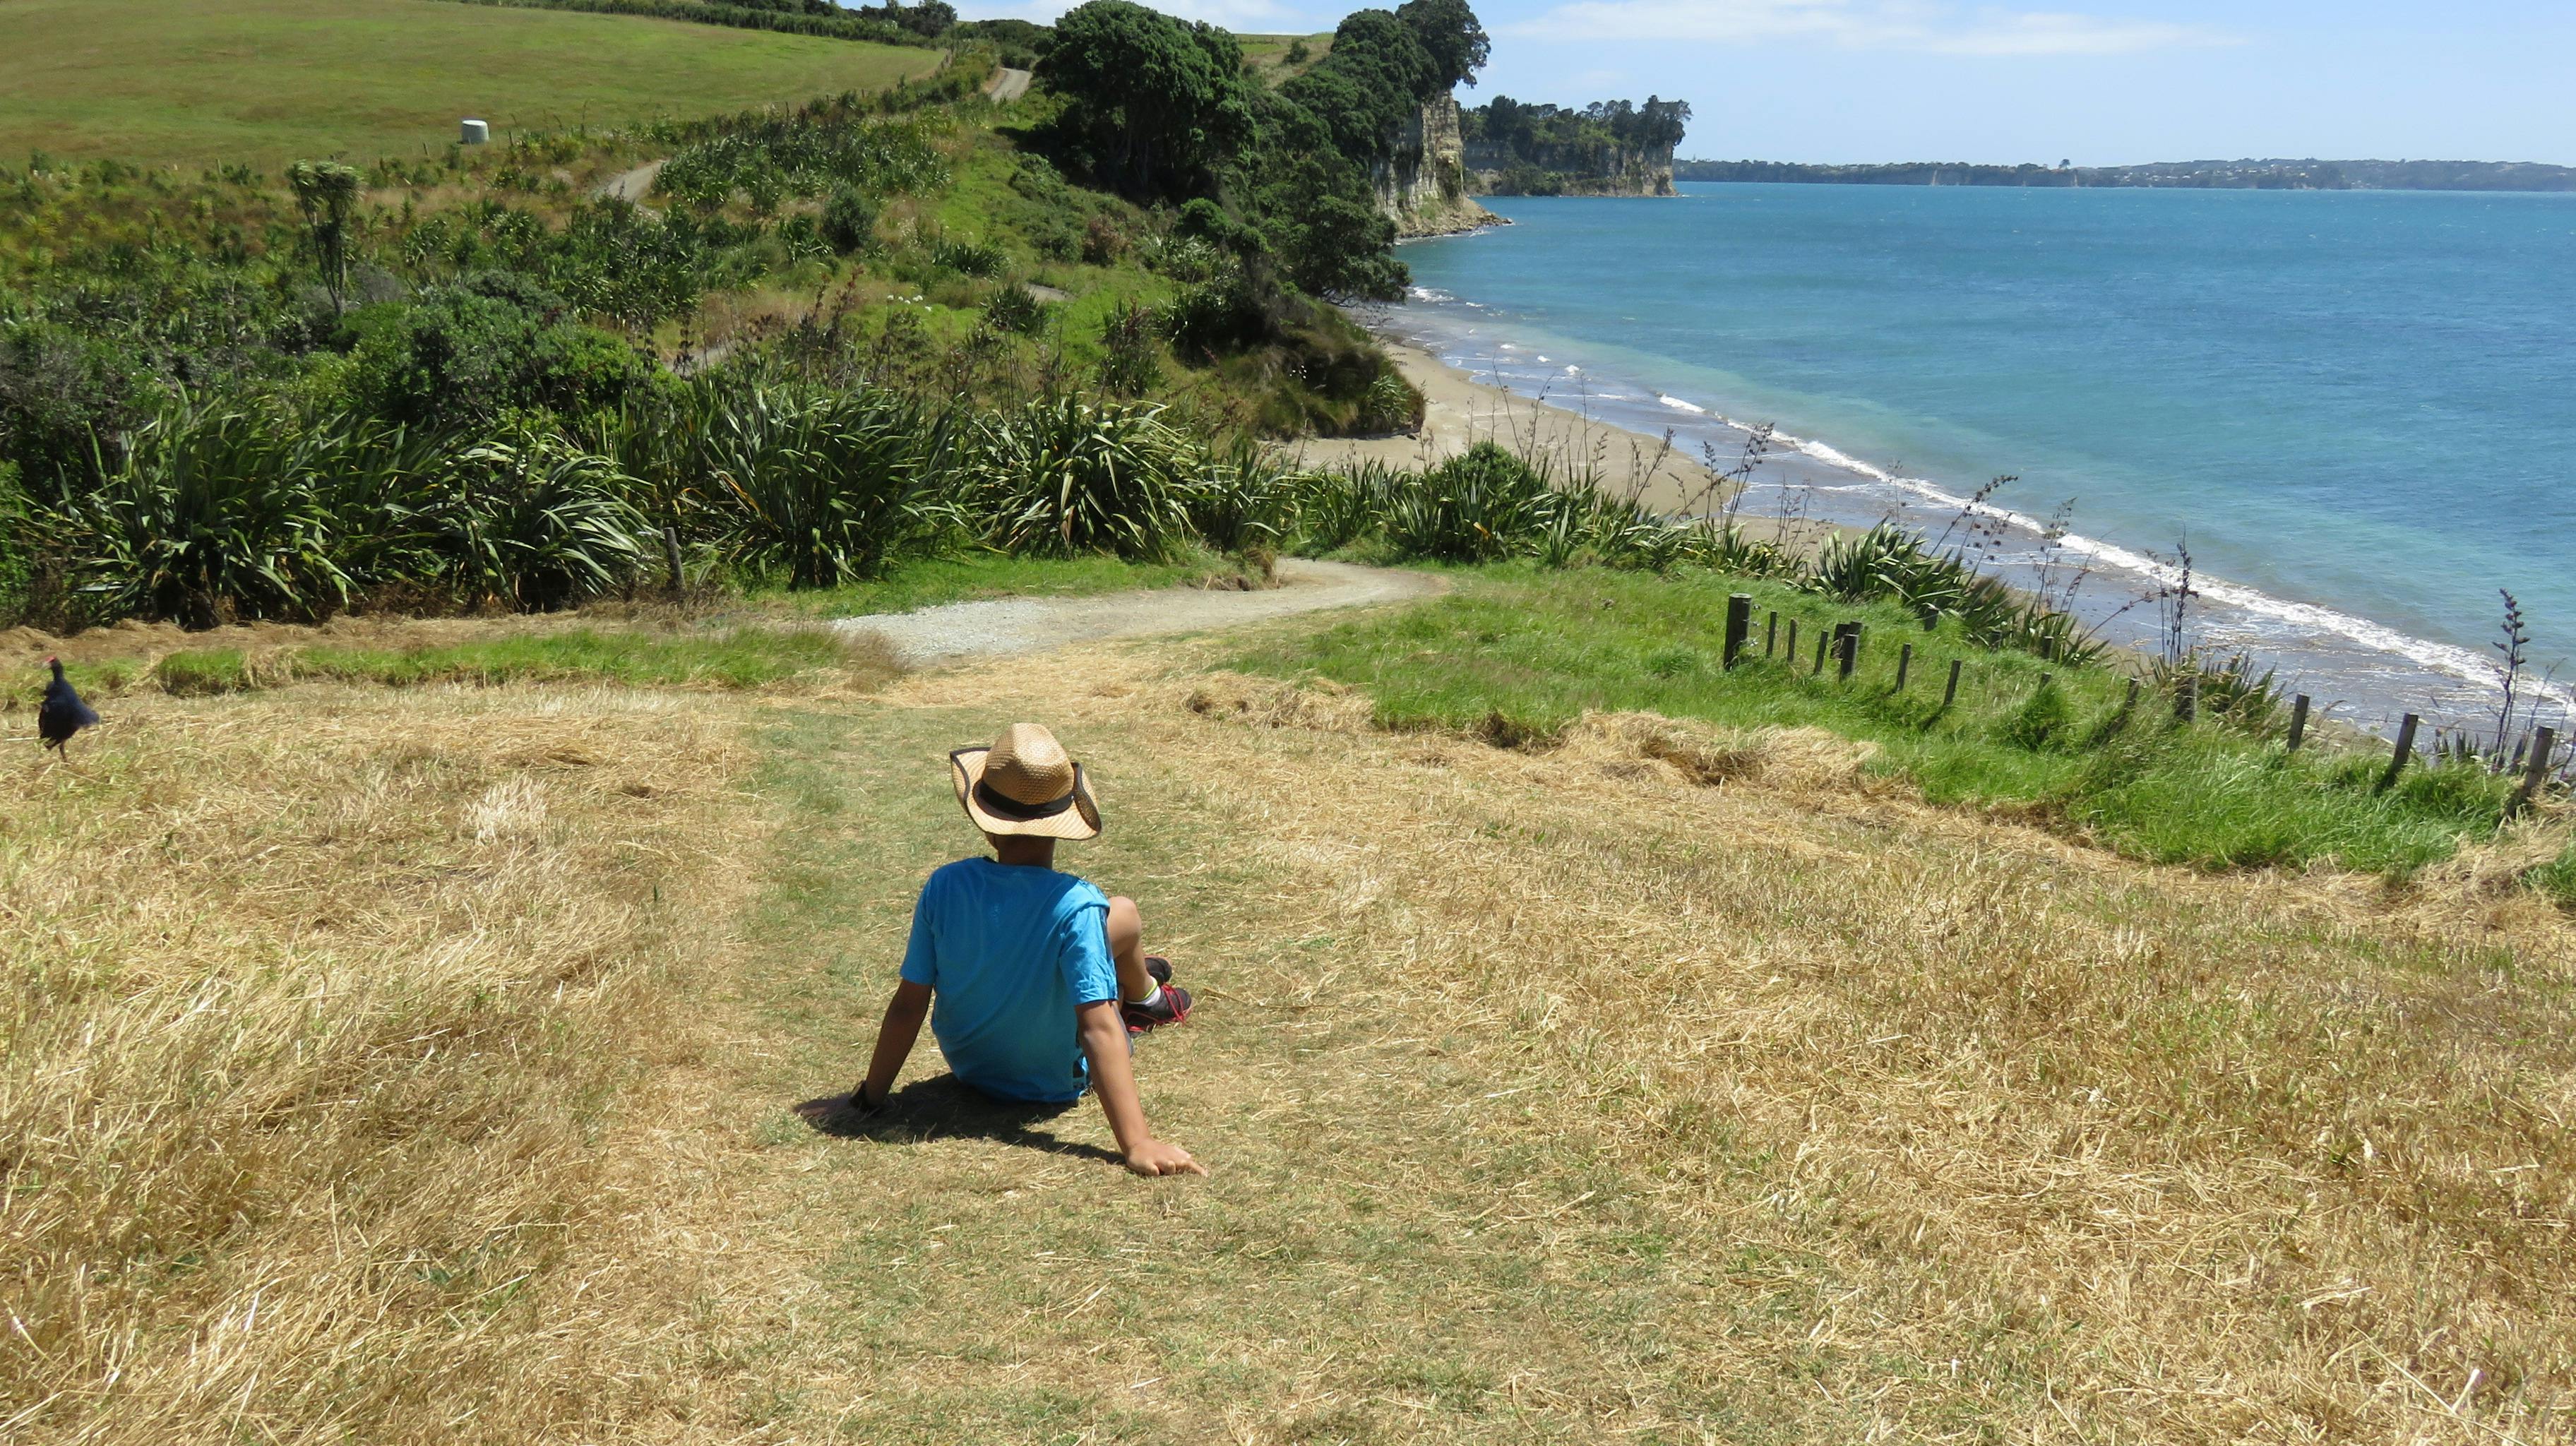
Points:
929	19
1375	80
1153	104
1329	235
1452	34
326	192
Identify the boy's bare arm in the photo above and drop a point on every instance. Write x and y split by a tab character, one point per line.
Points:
903	1016
1113	1075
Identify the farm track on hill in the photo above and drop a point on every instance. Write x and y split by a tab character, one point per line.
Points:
1004	627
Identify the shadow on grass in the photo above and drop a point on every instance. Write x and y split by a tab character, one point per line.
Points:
943	1108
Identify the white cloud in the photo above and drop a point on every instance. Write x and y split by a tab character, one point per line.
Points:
1865	24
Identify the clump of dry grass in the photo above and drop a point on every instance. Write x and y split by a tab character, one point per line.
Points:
314	1009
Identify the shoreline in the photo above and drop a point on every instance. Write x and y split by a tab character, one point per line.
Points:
1662	472
2364	673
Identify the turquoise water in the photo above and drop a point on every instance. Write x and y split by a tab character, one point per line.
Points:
2357	410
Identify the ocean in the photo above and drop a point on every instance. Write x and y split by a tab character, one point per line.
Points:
2355	410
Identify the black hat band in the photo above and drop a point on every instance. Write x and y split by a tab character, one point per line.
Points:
1017	812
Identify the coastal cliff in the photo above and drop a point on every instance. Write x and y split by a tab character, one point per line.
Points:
1607	148
1423	184
1493	172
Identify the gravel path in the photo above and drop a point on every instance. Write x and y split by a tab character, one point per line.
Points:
1007	626
1008	84
632	185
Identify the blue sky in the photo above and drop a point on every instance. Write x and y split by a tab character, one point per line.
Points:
2096	81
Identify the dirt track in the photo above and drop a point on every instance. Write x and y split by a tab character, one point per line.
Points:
1008	626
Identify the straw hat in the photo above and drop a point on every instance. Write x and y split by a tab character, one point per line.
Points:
1024	784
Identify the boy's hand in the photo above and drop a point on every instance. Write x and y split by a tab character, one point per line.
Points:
1161	1157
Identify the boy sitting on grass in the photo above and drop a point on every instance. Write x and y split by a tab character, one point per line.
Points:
1033	973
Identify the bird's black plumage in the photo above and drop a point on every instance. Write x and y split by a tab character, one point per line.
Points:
62	713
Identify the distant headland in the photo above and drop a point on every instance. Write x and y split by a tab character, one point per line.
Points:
2247	175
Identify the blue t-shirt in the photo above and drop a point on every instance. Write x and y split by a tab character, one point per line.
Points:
1009	950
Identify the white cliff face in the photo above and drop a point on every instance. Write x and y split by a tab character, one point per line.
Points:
1424	186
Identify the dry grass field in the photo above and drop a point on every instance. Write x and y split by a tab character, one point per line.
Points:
427	1066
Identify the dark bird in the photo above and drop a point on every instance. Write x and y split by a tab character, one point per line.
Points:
62	713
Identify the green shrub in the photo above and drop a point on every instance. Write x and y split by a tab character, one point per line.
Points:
1244	499
968	258
537	523
849	223
1065	476
459	353
1892	563
1130	364
1479	506
66	402
1015	309
827	487
216	512
2045	721
1224	313
1390	405
1339	507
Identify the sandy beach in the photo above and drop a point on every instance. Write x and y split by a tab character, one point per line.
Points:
1459	411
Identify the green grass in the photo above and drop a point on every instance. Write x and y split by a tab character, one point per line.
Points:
2556	880
103	679
203	82
1515	655
741	658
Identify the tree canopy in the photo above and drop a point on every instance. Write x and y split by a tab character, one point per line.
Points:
1452	35
1153	105
1160	109
1561	137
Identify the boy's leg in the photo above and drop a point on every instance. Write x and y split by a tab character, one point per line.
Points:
1138	976
1127	948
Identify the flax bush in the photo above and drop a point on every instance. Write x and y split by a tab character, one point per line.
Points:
827	487
1062	476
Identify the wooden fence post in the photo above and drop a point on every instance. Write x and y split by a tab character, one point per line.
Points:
2130	701
2405	750
2298	721
1904	663
1821	640
1771	634
1951	693
671	557
1739	624
1847	650
2534	769
1791	651
2187	699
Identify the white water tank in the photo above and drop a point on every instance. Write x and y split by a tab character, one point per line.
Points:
474	132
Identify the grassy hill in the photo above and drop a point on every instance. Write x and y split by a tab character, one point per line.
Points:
197	82
1664	1085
